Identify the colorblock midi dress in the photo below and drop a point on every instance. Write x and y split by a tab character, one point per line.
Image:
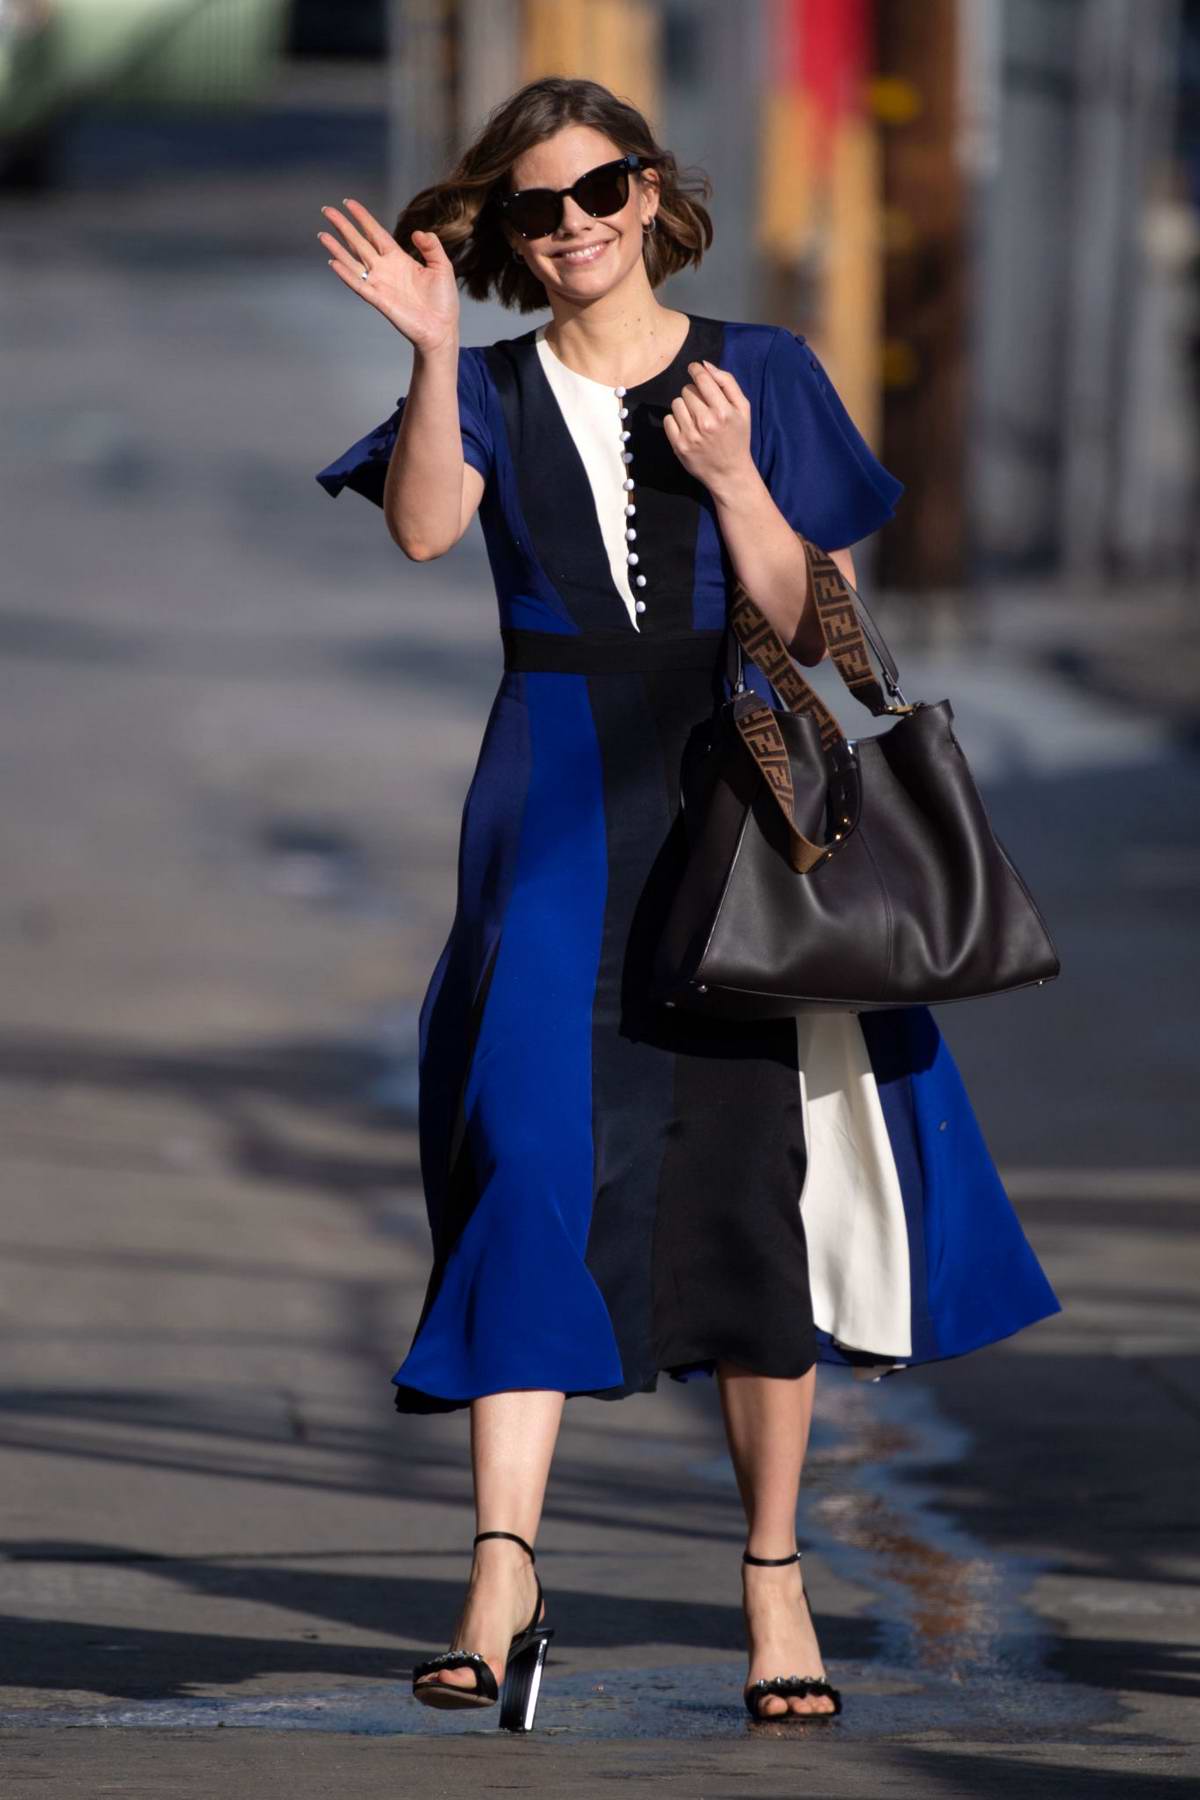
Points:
617	1189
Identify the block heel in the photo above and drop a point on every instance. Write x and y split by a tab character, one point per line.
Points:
523	1681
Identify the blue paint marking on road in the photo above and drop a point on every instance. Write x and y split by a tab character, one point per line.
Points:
954	1648
683	1701
955	1643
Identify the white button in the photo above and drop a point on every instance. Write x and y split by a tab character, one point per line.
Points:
630	533
624	412
627	483
625	436
632	555
627	456
631	508
639	606
641	580
619	390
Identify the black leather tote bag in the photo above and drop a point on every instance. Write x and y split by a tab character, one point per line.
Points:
824	872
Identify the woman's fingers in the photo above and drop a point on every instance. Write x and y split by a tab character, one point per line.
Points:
431	248
380	239
721	379
351	274
709	400
704	404
696	404
685	418
714	387
341	256
414	290
707	420
350	271
365	252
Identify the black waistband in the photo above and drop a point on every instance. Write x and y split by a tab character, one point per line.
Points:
607	652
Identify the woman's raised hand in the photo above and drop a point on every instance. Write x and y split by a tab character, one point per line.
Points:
708	427
419	298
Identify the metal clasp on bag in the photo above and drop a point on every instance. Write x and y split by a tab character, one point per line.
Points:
893	689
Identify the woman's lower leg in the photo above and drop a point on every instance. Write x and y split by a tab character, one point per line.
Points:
767	1424
513	1435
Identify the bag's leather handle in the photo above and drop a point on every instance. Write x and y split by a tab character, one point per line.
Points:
838	607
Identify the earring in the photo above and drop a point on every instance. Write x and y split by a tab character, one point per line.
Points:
651	224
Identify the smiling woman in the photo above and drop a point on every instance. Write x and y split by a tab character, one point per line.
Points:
617	1190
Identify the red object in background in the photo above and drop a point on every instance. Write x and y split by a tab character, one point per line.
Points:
821	49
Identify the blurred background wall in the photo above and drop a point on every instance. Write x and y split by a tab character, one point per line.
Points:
983	212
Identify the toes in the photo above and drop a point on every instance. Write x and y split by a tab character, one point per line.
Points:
448	1678
774	1706
810	1703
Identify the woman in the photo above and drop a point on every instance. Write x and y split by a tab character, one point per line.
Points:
614	1188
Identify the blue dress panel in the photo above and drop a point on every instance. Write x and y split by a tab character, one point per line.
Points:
616	1189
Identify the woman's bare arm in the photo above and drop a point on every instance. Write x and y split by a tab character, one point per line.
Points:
771	564
430	491
708	428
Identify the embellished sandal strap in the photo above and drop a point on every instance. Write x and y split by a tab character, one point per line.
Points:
785	1686
485	1679
507	1534
771	1562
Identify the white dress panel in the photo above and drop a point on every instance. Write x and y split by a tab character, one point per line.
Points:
592	411
851	1201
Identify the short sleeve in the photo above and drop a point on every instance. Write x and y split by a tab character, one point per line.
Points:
363	467
820	470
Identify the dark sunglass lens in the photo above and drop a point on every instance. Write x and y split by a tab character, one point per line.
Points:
603	191
535	213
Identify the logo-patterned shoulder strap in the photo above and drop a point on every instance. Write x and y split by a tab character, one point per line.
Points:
757	725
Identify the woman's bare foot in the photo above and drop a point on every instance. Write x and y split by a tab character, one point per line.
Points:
781	1636
500	1600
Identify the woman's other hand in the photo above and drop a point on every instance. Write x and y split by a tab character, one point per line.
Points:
708	427
420	298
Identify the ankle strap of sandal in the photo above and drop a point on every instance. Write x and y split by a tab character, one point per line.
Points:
507	1534
771	1562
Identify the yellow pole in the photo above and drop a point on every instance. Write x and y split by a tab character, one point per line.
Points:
615	42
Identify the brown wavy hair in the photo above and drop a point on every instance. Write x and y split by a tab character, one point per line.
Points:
461	208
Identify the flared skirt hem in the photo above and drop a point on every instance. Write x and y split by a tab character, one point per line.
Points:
409	1399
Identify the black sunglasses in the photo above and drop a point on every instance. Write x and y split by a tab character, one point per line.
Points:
536	212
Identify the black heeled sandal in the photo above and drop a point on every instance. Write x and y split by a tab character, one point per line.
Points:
787	1685
522	1670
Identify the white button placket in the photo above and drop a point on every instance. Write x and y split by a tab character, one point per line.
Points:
631	555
